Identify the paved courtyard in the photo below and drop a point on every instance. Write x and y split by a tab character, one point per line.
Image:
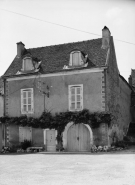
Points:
68	169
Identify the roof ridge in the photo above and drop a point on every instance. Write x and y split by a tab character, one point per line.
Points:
64	43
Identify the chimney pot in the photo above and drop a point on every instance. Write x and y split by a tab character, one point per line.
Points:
105	37
20	48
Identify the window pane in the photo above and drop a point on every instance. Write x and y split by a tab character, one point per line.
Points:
78	97
24	101
78	90
78	105
72	98
24	108
24	94
29	100
29	107
72	105
29	93
72	90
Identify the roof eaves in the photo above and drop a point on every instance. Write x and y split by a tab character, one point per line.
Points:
125	81
50	72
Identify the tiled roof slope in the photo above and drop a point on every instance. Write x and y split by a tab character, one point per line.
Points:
1	83
55	57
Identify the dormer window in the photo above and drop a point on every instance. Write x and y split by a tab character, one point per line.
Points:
75	58
27	64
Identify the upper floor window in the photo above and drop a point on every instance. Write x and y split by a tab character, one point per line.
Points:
75	97
27	64
76	58
27	106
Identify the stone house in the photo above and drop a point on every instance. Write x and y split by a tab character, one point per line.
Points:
67	77
1	111
131	131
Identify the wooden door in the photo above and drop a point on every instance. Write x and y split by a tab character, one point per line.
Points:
51	140
78	138
84	138
72	138
25	133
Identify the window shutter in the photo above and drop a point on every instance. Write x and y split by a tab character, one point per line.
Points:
20	134
75	58
21	101
81	97
32	101
70	60
69	97
30	134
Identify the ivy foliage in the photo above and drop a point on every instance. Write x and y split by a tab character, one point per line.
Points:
60	120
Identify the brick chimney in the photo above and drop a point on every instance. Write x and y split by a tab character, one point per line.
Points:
105	37
20	49
130	80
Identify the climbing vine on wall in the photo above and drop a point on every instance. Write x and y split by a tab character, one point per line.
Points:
60	120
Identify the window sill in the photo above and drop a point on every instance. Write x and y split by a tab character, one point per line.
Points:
73	67
75	110
25	113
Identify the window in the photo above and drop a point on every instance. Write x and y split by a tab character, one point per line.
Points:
27	64
76	58
75	97
27	101
25	133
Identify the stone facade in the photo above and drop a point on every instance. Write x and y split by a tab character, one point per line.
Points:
131	130
1	111
104	89
93	99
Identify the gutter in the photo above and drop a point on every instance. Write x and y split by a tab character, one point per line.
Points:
56	73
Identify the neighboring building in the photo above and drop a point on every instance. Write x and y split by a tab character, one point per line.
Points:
131	131
76	76
1	111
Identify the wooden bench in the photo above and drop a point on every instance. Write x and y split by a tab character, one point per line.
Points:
34	149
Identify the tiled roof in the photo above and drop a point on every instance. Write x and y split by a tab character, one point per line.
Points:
55	57
1	83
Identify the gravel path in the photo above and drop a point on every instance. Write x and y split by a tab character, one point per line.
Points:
68	169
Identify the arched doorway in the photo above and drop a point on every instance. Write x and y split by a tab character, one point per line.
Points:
78	138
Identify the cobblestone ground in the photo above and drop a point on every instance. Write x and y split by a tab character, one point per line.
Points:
68	169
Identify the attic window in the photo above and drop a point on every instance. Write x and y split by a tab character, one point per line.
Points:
76	58
27	64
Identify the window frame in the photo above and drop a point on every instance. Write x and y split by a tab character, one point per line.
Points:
81	97
71	59
23	66
32	101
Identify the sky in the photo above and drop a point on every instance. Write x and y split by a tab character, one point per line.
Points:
40	23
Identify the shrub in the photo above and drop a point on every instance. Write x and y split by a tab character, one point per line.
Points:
120	144
25	144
